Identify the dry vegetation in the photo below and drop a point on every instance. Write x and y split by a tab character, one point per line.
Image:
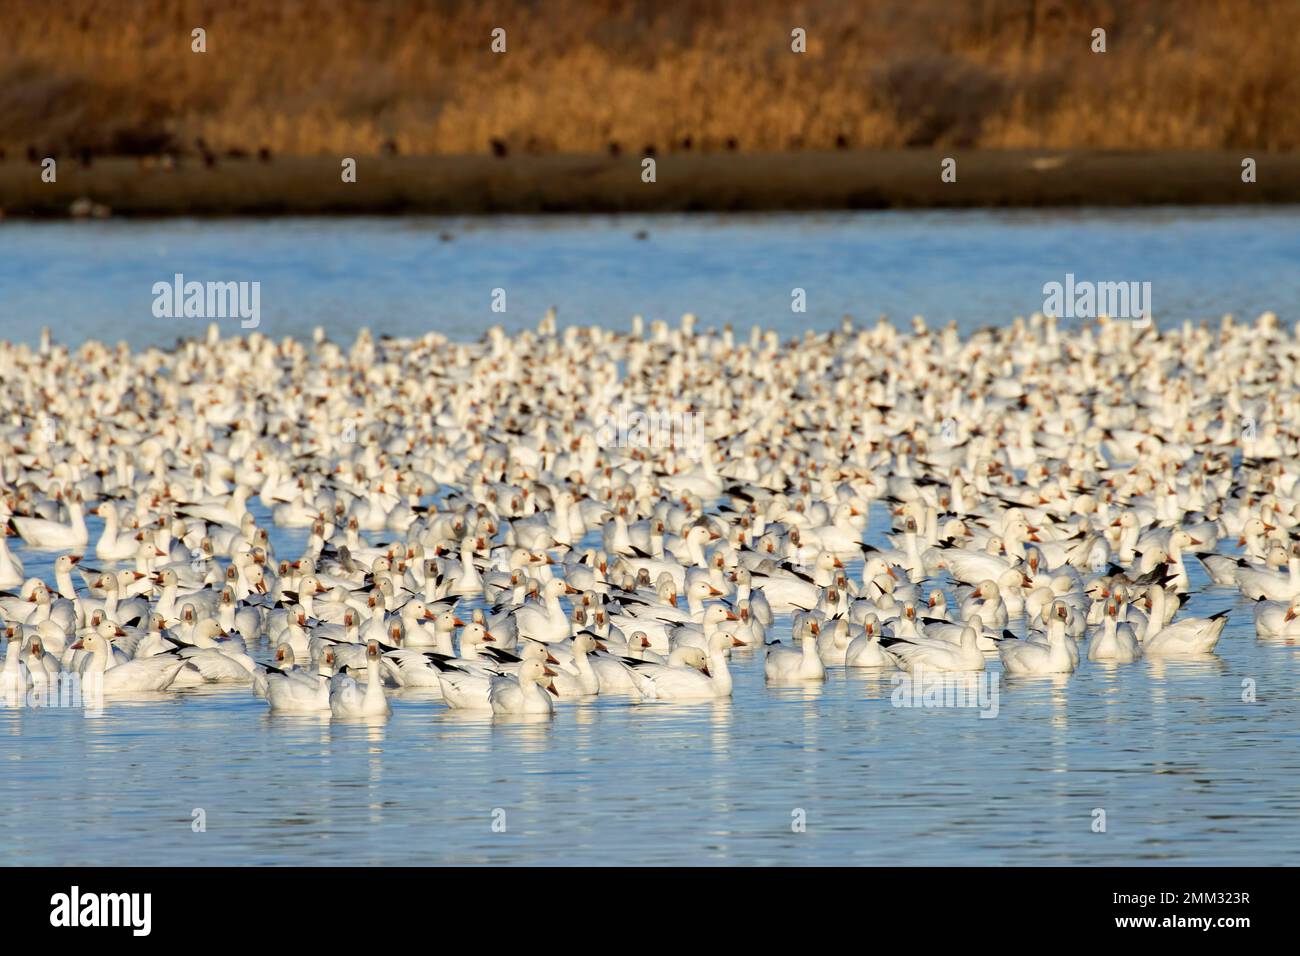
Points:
349	76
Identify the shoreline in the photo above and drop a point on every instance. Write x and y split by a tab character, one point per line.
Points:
685	182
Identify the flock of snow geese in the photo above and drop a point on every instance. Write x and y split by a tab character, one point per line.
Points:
474	527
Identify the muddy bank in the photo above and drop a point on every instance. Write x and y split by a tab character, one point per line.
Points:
683	182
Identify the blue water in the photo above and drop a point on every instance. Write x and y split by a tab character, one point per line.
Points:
1186	770
399	276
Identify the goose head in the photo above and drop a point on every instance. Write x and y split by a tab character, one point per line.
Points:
536	672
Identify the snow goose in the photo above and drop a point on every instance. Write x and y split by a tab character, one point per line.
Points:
43	668
749	630
1256	583
467	686
715	616
1024	658
951	631
527	692
11	567
788	589
43	534
1190	637
689	675
148	674
1275	619
578	678
865	650
347	698
545	621
802	663
1113	641
758	604
113	545
834	640
289	690
986	603
15	678
919	654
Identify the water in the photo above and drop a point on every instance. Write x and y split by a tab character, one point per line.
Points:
399	277
1186	770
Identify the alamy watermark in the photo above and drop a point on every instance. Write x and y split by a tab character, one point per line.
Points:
208	300
934	689
67	689
1089	300
631	427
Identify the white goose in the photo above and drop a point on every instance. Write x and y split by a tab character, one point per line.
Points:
290	690
148	674
920	654
113	545
348	699
681	680
1190	637
1114	641
545	621
45	535
1024	658
803	663
468	687
522	693
1275	619
865	649
11	568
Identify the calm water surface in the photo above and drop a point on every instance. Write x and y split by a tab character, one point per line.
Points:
399	276
1186	771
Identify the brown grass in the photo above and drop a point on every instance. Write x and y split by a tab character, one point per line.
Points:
342	77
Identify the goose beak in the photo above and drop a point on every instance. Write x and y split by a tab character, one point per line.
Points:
714	592
551	688
737	642
1290	614
547	671
550	659
73	559
891	573
731	616
600	646
458	622
570	589
79	646
705	670
487	636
